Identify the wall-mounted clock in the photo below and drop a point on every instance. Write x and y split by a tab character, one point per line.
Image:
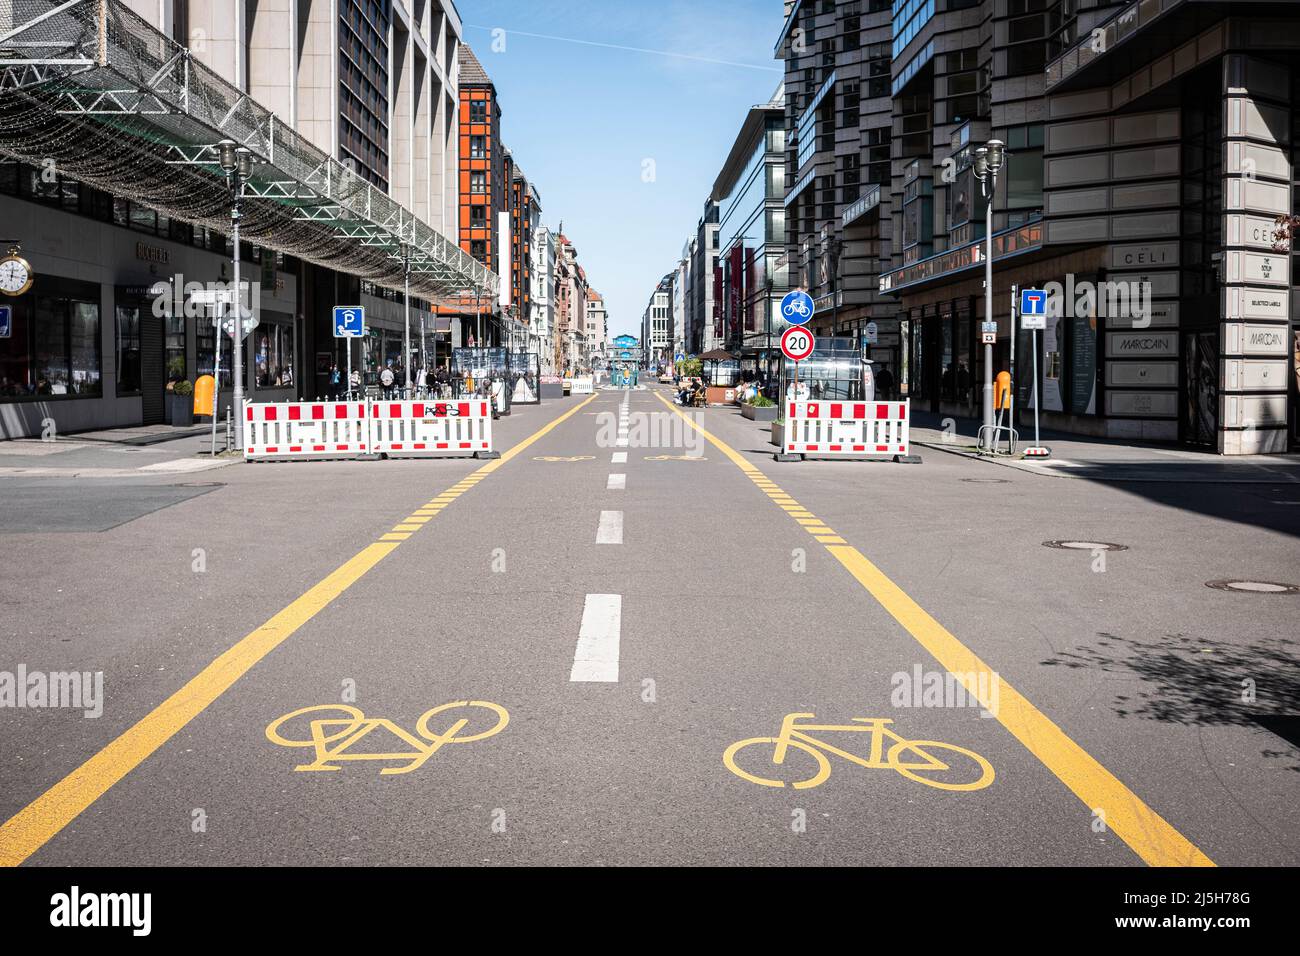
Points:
15	273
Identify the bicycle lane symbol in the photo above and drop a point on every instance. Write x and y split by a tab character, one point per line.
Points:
332	738
930	762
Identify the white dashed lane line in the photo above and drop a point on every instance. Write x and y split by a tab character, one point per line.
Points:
596	657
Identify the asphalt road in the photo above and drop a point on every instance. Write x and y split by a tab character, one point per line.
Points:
1139	717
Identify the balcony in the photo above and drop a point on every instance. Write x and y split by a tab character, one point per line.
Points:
1109	53
1016	241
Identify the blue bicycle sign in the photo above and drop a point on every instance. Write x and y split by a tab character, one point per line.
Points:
797	307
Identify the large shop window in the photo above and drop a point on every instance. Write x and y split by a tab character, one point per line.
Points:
53	348
273	354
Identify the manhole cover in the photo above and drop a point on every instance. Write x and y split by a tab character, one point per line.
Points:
1086	545
1254	587
987	481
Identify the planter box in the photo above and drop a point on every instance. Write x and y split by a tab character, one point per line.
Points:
756	414
180	409
778	434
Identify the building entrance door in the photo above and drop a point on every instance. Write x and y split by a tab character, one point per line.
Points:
153	372
1200	412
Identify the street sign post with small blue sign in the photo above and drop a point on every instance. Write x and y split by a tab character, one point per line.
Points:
1033	317
6	321
349	321
797	307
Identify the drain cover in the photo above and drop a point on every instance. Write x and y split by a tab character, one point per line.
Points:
1254	587
1086	545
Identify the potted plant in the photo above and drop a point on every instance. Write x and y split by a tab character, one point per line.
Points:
760	408
778	433
180	403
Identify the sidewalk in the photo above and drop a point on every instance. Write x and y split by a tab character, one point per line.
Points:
142	434
1101	459
149	451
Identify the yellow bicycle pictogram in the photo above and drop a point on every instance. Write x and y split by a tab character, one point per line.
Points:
930	762
333	737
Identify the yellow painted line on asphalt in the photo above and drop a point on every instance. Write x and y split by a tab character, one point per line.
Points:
406	526
831	539
394	536
1147	833
417	519
37	823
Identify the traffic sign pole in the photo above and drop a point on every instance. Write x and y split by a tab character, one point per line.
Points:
1033	312
1015	334
216	376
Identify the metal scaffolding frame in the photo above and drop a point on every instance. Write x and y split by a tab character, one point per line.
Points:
114	103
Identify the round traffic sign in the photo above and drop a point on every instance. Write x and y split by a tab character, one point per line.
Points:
797	307
797	343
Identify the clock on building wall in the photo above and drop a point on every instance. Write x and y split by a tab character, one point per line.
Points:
15	273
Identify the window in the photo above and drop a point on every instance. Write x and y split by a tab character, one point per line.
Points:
273	355
128	350
174	347
1025	167
478	112
478	182
206	346
478	216
478	249
53	347
478	147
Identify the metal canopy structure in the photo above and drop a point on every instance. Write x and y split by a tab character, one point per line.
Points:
112	102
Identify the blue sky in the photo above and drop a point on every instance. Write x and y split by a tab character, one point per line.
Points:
581	119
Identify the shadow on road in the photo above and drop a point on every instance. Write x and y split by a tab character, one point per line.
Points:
1199	681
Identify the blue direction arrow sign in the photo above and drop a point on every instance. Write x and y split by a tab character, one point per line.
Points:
797	307
6	321
349	321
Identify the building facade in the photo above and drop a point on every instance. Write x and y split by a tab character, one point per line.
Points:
704	325
840	128
108	326
1150	153
656	323
1148	185
750	191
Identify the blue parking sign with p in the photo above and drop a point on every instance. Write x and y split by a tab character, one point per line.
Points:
6	321
349	321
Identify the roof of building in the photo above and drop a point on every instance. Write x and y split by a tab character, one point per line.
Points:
471	70
750	135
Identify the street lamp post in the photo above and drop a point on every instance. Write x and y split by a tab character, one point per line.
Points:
406	334
237	162
988	160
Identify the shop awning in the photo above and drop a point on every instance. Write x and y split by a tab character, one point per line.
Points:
112	102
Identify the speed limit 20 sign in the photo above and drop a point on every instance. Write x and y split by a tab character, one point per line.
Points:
797	343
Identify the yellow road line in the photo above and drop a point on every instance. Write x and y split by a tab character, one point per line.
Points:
33	826
1147	833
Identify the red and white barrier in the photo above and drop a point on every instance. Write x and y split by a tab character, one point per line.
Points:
431	429
286	431
290	431
835	429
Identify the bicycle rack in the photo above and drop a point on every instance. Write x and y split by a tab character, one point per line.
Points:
991	447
